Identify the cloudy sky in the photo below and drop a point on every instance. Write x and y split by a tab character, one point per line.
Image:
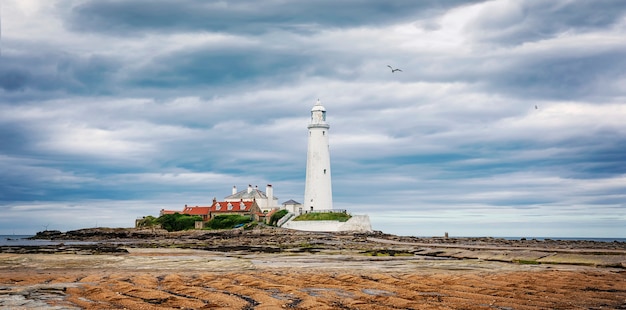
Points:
508	118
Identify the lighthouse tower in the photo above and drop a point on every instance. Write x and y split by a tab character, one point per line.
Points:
318	194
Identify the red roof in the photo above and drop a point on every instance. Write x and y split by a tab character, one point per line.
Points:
217	206
196	210
235	206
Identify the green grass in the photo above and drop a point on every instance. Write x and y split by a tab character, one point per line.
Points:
277	216
314	216
305	245
386	253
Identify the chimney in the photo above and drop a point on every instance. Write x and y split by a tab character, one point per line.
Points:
249	188
234	189
269	191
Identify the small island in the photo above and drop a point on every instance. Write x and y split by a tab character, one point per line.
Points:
251	207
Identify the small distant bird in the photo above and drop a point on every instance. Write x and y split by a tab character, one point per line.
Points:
393	70
536	107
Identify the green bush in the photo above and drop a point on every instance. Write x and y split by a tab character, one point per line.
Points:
277	216
323	216
177	221
227	221
147	221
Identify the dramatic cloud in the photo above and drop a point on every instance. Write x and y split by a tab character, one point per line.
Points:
243	16
506	120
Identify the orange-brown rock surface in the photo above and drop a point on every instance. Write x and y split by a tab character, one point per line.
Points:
317	271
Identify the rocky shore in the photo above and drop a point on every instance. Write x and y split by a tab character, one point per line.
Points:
276	240
273	268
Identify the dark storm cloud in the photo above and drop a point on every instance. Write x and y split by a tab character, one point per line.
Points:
13	79
16	136
562	76
552	72
516	22
244	16
539	76
210	66
41	69
601	158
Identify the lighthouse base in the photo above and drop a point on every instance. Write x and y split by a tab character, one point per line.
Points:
358	223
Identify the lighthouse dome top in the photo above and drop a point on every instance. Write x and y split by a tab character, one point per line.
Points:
318	107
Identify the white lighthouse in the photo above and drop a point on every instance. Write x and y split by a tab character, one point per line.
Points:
318	194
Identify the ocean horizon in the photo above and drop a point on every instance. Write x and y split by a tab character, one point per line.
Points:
21	240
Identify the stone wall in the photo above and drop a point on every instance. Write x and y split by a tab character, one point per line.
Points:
355	223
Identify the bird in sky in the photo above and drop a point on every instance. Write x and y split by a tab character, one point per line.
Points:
393	70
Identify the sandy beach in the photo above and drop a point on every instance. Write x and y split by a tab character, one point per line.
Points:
315	271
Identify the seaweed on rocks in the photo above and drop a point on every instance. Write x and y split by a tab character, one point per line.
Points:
84	249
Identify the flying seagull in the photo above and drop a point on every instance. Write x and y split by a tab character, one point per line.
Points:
393	70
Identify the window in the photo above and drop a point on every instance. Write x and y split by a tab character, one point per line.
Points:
242	206
218	206
229	206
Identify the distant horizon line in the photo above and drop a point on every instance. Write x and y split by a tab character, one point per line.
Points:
622	239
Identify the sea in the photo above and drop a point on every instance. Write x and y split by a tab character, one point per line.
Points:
568	239
21	240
